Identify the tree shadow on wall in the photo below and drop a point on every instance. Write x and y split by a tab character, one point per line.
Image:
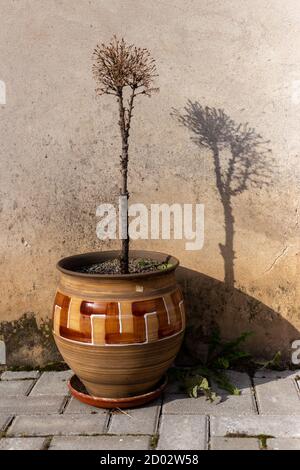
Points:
241	159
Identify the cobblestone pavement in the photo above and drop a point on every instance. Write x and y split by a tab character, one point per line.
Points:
36	412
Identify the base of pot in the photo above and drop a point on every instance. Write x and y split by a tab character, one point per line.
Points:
79	391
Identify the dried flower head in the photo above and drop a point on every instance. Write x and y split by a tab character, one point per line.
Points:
118	65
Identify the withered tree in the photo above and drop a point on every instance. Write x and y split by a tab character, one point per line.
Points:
124	71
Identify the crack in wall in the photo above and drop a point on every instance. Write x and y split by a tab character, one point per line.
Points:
277	258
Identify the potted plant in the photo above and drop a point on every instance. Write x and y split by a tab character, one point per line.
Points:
119	318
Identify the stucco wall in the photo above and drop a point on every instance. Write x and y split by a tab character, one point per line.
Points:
60	146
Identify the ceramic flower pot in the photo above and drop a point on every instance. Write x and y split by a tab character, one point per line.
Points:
118	333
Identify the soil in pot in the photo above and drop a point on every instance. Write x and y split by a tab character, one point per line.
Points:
136	265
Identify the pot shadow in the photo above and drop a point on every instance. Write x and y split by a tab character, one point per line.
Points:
205	298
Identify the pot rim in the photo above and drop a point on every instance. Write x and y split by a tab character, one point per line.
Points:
69	264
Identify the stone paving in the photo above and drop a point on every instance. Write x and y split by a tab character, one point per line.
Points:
37	412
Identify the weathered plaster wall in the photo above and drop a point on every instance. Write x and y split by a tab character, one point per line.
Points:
59	155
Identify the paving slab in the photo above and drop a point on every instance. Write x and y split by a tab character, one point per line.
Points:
235	424
283	444
277	396
100	443
75	406
276	374
22	443
20	375
227	405
234	443
4	420
15	388
31	405
136	421
52	383
241	380
184	432
58	425
275	426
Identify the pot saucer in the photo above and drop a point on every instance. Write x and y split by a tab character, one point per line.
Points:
79	391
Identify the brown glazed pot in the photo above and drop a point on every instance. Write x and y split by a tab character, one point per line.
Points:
118	333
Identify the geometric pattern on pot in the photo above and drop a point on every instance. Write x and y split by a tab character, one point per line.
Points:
118	323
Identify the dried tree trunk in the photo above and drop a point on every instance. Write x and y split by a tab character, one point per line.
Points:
124	185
